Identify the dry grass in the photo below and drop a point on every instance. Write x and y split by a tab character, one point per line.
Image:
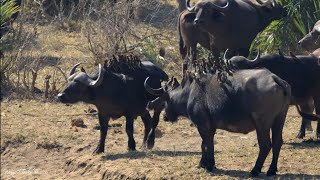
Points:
37	141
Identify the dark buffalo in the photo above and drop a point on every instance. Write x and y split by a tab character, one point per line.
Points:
117	91
311	41
221	24
301	72
249	100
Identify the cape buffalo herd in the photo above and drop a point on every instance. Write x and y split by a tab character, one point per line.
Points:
254	95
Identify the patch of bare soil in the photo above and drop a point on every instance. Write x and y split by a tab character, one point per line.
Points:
40	141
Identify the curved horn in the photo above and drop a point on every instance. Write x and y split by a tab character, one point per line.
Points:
258	56
188	6
99	80
259	1
225	55
274	3
255	60
222	8
73	70
156	92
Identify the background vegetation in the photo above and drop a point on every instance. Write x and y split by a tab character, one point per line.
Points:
286	33
48	37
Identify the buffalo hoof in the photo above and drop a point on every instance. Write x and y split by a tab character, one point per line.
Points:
98	151
150	145
209	168
271	172
308	126
131	149
300	135
145	146
255	172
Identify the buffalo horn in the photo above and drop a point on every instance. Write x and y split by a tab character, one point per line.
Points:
99	80
258	55
221	8
255	60
73	70
188	6
259	1
225	55
156	92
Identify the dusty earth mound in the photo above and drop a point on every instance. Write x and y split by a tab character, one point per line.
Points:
39	142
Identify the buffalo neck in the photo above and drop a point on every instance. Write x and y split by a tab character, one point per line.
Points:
179	98
108	91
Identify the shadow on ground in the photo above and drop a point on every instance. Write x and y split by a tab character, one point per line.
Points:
245	174
139	155
305	144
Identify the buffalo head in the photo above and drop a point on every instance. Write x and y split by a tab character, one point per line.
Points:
311	41
240	61
208	11
167	97
271	10
80	86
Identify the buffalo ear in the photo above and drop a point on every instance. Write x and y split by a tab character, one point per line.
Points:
83	70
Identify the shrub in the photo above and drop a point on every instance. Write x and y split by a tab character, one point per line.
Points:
285	34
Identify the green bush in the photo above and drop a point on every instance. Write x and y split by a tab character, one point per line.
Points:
285	34
149	50
7	9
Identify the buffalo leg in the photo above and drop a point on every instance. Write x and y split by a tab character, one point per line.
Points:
152	135
263	136
318	130
207	159
129	131
146	119
277	142
103	121
306	123
317	107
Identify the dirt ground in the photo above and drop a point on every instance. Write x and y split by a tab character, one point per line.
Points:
38	142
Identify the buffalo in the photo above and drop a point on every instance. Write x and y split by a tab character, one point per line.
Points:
246	101
117	91
302	72
221	24
311	41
